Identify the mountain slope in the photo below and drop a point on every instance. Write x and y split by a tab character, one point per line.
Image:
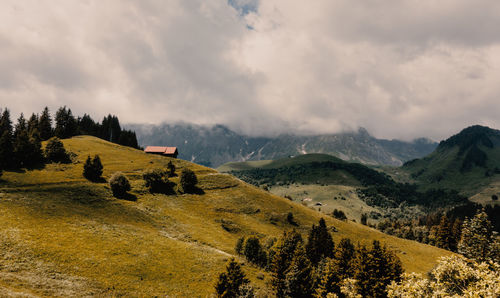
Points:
217	145
467	161
64	236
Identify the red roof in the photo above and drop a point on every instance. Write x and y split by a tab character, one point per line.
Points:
160	149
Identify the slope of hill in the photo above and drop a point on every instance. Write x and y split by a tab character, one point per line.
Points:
64	236
468	161
216	145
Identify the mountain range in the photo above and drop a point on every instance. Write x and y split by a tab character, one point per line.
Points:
216	145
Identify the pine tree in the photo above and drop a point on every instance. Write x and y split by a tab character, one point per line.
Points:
238	248
188	180
55	151
477	241
375	269
66	125
444	236
6	141
282	254
92	169
253	251
319	243
231	282
45	125
32	124
298	278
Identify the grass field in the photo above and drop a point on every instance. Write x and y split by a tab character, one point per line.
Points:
61	235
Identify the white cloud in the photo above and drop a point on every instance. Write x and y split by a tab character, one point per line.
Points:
399	68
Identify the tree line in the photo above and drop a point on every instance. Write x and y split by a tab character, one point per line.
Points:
20	144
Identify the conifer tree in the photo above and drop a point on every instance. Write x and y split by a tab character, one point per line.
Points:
444	236
188	180
282	254
45	125
253	251
32	124
477	241
55	151
319	243
92	169
230	283
298	279
6	140
66	125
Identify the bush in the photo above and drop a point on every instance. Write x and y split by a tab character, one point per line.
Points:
171	169
92	169
157	181
339	214
494	197
55	151
188	180
119	184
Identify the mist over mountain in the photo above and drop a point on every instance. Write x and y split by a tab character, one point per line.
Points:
215	145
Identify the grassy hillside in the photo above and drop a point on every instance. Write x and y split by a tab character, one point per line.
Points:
64	236
468	162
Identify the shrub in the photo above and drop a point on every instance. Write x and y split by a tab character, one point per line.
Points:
157	181
494	197
171	169
239	245
254	253
55	151
188	180
92	169
339	214
119	184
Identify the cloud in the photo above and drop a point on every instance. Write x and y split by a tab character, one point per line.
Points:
399	68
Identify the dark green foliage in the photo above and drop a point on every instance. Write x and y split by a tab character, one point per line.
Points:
110	129
55	151
231	283
171	169
92	169
282	254
188	181
319	243
290	219
33	125
299	279
128	138
45	125
303	173
469	137
119	184
87	126
254	252
26	148
494	197
374	269
444	237
66	124
339	214
157	181
474	157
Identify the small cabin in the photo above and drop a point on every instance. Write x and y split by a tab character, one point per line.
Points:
164	151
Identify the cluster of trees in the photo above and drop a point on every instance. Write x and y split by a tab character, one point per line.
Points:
317	268
448	230
20	145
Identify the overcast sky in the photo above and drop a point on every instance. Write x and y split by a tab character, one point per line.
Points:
400	68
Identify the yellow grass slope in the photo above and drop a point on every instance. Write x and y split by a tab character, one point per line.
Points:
61	235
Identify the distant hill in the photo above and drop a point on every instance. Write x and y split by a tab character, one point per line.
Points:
306	169
216	145
62	235
467	161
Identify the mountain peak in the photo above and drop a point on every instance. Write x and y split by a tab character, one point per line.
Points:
471	136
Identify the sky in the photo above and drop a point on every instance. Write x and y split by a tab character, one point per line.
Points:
399	68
